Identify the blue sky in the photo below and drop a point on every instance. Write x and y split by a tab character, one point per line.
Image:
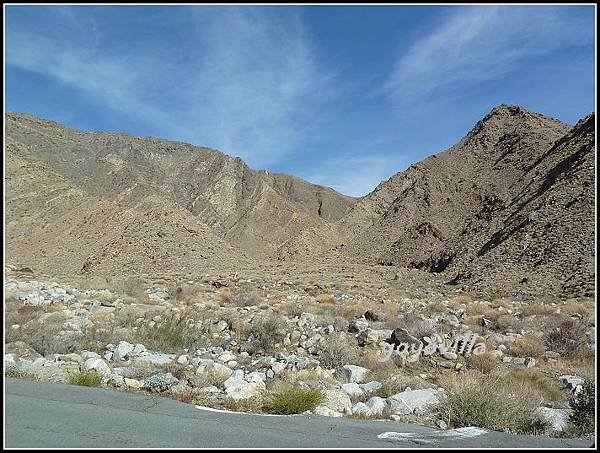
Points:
343	96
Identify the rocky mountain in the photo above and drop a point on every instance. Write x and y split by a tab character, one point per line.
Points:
509	206
451	212
218	198
543	236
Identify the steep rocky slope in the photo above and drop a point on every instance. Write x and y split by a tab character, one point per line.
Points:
469	211
544	236
407	217
58	228
255	211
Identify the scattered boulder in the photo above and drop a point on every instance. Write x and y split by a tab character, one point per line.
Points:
352	373
338	400
413	401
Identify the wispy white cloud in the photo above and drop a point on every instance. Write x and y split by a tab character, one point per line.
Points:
357	175
476	44
233	79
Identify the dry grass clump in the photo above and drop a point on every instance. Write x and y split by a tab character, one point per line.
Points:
239	298
537	310
178	370
535	383
337	350
247	299
293	400
435	308
485	401
508	323
13	371
314	375
130	286
325	298
569	339
527	346
484	363
391	385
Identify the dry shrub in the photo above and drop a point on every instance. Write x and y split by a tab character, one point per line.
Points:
326	299
131	286
337	350
246	299
225	296
86	378
172	333
569	339
392	384
527	346
472	399
185	396
178	370
267	331
483	310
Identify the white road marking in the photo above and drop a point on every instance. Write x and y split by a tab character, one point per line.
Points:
224	411
432	436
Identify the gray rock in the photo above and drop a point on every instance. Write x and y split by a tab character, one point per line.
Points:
352	373
413	401
98	365
358	325
245	390
326	412
362	409
573	384
353	390
529	362
371	387
154	358
377	405
338	400
121	350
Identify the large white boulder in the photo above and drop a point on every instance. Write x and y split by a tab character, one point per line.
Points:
414	401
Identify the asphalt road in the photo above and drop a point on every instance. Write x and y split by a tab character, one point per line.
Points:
43	414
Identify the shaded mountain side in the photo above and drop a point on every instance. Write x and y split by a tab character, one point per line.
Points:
411	215
57	228
543	238
257	211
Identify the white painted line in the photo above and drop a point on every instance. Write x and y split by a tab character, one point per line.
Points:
431	436
225	411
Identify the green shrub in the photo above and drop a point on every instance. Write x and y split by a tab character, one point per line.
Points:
484	401
293	400
583	406
87	378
